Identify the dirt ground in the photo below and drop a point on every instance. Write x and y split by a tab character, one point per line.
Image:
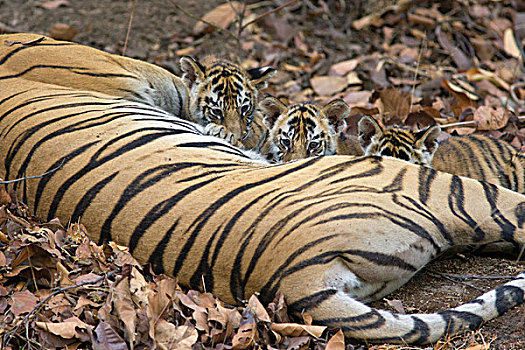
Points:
160	33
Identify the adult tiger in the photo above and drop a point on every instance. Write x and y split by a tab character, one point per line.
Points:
217	94
329	232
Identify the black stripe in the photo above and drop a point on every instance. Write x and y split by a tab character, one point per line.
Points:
397	183
157	255
507	297
94	162
456	203
67	158
425	178
90	195
159	210
311	301
40	45
76	70
401	221
201	220
507	228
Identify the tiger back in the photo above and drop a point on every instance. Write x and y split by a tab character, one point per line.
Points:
223	96
301	130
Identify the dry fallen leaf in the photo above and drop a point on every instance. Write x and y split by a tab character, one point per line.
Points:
62	31
296	330
70	328
337	342
25	43
509	42
247	332
23	302
342	68
327	85
106	338
53	4
222	16
490	118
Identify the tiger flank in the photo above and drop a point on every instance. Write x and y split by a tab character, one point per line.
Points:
484	158
476	156
303	129
223	96
330	233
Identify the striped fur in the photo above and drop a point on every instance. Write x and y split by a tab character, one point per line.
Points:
484	158
329	232
476	156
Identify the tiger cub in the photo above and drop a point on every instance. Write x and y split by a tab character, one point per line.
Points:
223	95
476	156
399	142
301	130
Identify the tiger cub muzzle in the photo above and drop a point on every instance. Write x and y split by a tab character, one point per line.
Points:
303	129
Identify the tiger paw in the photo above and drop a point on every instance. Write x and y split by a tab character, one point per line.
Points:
219	131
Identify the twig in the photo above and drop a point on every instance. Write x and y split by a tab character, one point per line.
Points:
456	281
471	123
267	13
34	177
467	277
219	29
56	292
129	27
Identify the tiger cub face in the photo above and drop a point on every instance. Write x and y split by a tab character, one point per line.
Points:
302	129
395	141
222	95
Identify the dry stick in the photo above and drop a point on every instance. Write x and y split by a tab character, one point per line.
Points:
129	27
219	29
34	177
478	277
456	281
56	292
415	74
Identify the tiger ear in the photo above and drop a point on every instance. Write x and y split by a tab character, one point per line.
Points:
192	70
258	76
368	127
428	138
271	108
336	112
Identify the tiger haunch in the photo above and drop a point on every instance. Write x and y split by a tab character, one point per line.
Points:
329	232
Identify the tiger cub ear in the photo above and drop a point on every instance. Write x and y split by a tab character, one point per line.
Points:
368	127
336	112
258	76
428	138
192	70
271	108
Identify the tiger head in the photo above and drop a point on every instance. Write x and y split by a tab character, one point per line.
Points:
223	94
417	147
302	129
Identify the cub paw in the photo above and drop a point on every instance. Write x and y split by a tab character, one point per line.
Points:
219	131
